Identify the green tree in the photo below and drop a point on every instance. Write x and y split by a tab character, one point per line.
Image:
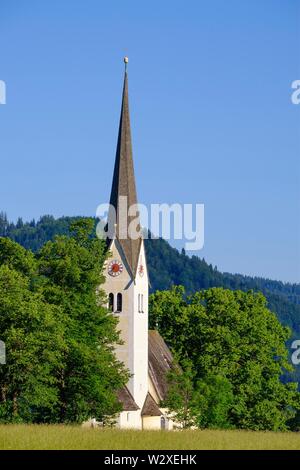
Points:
204	403
232	334
213	400
181	395
169	314
32	333
59	336
3	224
16	257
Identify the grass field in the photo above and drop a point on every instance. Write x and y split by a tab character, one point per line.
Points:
72	437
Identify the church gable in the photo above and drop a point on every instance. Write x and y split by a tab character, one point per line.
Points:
127	400
150	407
117	253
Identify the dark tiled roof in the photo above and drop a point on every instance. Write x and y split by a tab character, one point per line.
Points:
150	407
160	361
124	396
124	183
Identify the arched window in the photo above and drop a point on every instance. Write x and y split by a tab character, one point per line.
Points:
142	303
162	422
111	302
119	303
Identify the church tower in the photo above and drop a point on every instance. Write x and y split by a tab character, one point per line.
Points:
126	275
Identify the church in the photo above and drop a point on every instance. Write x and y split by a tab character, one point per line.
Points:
143	352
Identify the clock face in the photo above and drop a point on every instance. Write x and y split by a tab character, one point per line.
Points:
141	270
115	268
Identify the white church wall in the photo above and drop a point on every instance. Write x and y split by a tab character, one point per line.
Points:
122	284
133	321
140	332
151	422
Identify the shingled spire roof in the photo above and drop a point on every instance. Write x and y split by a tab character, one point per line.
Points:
123	184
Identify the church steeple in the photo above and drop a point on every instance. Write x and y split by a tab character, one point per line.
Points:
126	273
123	185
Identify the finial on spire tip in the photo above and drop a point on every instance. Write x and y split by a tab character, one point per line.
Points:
125	60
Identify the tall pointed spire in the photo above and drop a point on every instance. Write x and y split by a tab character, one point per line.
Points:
123	185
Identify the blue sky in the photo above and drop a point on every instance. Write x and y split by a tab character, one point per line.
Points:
212	119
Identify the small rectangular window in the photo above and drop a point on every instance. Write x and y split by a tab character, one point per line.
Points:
111	302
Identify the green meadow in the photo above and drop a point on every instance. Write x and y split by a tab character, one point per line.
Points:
75	437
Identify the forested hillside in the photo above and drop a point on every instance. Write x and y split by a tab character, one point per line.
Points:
168	267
